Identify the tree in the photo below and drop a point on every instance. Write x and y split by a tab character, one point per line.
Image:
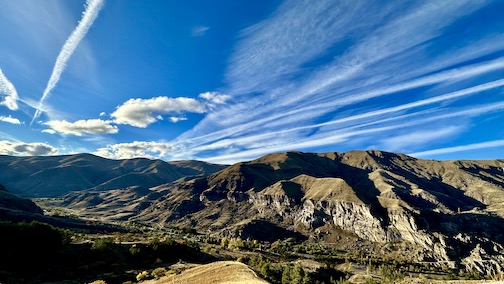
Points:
286	279
103	244
297	274
158	272
224	242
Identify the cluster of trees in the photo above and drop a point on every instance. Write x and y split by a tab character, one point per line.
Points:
287	272
39	252
35	245
239	244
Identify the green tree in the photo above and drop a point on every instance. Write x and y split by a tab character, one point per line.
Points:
297	274
103	244
158	272
286	275
224	242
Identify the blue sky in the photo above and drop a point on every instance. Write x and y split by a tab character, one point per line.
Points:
229	81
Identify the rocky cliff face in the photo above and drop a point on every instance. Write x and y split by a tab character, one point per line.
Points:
452	211
421	202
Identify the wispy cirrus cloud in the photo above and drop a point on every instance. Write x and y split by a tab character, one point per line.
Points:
258	146
10	119
454	74
461	148
26	149
406	141
199	31
314	69
81	127
8	93
89	15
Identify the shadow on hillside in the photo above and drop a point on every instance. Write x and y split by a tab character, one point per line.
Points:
478	226
493	171
452	197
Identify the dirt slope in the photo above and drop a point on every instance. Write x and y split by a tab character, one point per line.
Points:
222	272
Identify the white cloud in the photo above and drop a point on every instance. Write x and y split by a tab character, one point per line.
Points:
88	17
215	97
142	112
102	113
176	119
143	149
10	119
8	92
50	131
26	149
199	31
82	127
469	147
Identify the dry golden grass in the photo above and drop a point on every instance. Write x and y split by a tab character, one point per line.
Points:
427	281
222	272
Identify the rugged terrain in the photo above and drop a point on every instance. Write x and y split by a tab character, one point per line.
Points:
449	212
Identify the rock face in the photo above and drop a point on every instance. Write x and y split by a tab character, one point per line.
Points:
452	211
377	196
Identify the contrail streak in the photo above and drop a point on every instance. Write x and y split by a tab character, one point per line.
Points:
88	16
7	89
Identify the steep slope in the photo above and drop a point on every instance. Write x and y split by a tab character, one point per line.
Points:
450	211
55	175
14	205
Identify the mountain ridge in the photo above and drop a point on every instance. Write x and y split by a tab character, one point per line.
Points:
447	211
47	176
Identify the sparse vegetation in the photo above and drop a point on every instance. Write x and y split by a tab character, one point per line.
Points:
158	272
133	251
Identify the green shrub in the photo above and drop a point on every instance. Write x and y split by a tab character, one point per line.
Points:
158	272
103	244
98	282
144	275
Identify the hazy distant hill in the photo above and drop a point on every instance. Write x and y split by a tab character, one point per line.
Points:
448	210
54	175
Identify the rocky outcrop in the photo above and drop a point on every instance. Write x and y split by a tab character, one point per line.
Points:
451	211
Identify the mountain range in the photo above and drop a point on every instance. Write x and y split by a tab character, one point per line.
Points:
45	176
445	211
